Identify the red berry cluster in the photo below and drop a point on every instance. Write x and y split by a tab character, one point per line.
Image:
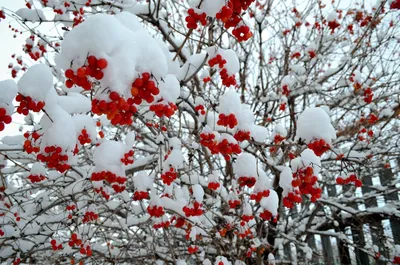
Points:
54	245
16	261
305	180
140	195
28	147
193	211
1	232
246	181
233	204
247	218
193	249
36	178
144	89
200	109
90	216
4	118
2	15
165	224
372	118
155	211
368	95
208	140
227	120
74	241
291	199
169	176
396	259
103	193
242	136
119	111
394	5
193	18
162	109
319	146
226	149
27	104
242	33
333	24
259	195
54	158
227	80
266	215
217	60
213	185
78	16
118	183
128	158
93	68
278	139
84	137
17	217
350	179
86	251
230	15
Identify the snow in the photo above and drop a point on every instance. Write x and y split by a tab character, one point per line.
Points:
8	91
212	7
246	165
314	123
198	192
32	15
271	202
36	82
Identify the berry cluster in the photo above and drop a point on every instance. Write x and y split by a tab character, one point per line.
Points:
396	259
28	147
1	232
246	181
319	146
103	193
119	111
128	158
192	249
54	245
54	158
242	33
169	176
259	195
118	183
278	139
226	149
2	15
217	60
165	224
305	180
394	5
291	199
227	80
74	241
144	89
36	178
84	138
227	120
213	185
140	195
193	18
266	215
368	95
350	179
230	15
163	109
333	25
193	211
242	136
247	218
155	211
90	216
27	104
233	204
4	118
200	109
93	68
86	251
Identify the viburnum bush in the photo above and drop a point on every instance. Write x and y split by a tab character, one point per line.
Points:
209	132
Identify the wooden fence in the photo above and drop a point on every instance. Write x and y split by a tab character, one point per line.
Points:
350	240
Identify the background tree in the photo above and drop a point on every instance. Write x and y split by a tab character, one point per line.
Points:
202	132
